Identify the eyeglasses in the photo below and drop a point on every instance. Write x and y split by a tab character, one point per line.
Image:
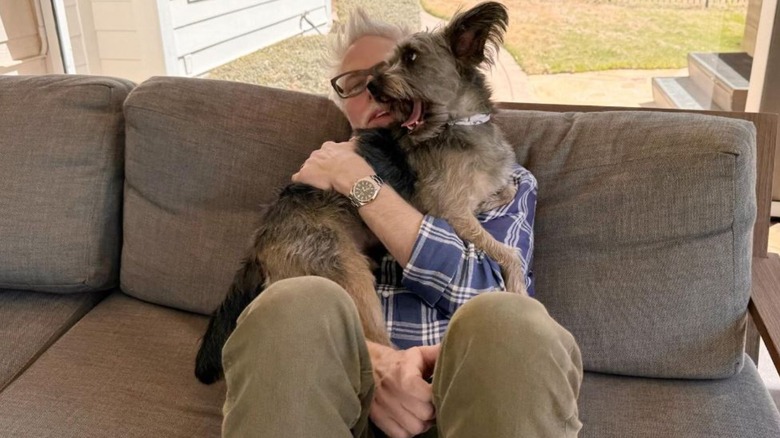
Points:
352	83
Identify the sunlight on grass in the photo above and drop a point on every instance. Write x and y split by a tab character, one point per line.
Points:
575	36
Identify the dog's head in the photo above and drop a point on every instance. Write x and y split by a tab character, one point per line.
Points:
434	77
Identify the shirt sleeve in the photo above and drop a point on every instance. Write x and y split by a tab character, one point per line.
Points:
445	271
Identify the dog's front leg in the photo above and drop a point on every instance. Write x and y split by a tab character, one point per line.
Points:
468	228
503	196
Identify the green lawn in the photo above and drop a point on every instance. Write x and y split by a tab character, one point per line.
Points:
569	36
300	63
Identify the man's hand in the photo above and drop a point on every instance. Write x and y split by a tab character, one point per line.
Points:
334	166
403	400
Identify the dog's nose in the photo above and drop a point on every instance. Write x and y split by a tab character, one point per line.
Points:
376	90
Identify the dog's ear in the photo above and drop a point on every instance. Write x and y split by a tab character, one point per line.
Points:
476	34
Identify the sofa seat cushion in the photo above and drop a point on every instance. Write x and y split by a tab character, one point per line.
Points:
125	369
62	149
618	407
30	322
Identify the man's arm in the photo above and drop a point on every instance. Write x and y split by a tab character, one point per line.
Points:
394	222
438	264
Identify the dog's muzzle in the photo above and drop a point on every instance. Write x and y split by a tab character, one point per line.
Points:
375	88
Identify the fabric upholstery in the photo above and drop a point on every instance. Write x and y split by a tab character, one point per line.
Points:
125	370
619	407
657	287
202	157
61	150
643	235
31	322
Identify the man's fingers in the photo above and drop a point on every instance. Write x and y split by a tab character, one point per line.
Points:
420	390
391	428
412	424
420	403
414	402
410	414
422	412
389	419
430	353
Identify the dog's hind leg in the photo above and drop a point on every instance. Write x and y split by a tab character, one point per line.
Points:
357	279
469	229
247	284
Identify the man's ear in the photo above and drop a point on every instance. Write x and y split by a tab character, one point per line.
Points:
469	32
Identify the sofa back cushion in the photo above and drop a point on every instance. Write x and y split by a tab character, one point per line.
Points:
61	161
643	235
203	156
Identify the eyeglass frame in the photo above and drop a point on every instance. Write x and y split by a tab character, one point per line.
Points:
371	71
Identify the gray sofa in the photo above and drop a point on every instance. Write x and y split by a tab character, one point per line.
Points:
124	211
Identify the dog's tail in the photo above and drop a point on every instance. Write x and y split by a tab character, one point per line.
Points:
247	284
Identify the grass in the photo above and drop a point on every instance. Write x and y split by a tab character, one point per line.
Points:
299	63
570	36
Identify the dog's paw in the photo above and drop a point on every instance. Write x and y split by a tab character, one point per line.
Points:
514	278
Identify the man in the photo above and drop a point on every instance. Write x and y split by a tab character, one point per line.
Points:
298	364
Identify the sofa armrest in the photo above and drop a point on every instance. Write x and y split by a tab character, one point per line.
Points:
764	304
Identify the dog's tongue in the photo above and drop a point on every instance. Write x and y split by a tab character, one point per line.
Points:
414	118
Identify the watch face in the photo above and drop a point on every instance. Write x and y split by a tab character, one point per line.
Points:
364	191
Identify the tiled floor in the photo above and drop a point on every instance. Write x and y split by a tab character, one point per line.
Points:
765	367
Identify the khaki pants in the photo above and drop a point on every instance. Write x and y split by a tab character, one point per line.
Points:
297	365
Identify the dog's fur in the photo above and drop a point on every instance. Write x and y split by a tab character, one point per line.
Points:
308	231
449	171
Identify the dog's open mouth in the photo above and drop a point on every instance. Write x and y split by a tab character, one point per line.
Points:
415	117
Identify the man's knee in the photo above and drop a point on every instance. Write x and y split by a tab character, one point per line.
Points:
504	315
300	296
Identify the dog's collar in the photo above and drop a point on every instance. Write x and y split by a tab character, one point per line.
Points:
476	119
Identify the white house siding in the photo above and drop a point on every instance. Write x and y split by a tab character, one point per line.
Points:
22	50
209	33
117	38
76	33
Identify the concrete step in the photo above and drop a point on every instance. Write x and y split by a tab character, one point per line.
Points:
681	92
725	75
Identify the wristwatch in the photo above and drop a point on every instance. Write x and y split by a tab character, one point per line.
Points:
365	190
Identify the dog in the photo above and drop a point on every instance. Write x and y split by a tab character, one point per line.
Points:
443	155
461	159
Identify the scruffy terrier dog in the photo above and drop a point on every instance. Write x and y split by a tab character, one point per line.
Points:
460	158
444	156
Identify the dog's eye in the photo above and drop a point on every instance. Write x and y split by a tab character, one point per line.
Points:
410	56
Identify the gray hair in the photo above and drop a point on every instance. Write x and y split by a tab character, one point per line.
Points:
357	26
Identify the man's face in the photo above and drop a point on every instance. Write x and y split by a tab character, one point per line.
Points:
361	110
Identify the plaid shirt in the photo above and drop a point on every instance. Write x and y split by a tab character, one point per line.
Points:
444	271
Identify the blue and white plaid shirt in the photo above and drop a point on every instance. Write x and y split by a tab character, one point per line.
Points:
444	271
